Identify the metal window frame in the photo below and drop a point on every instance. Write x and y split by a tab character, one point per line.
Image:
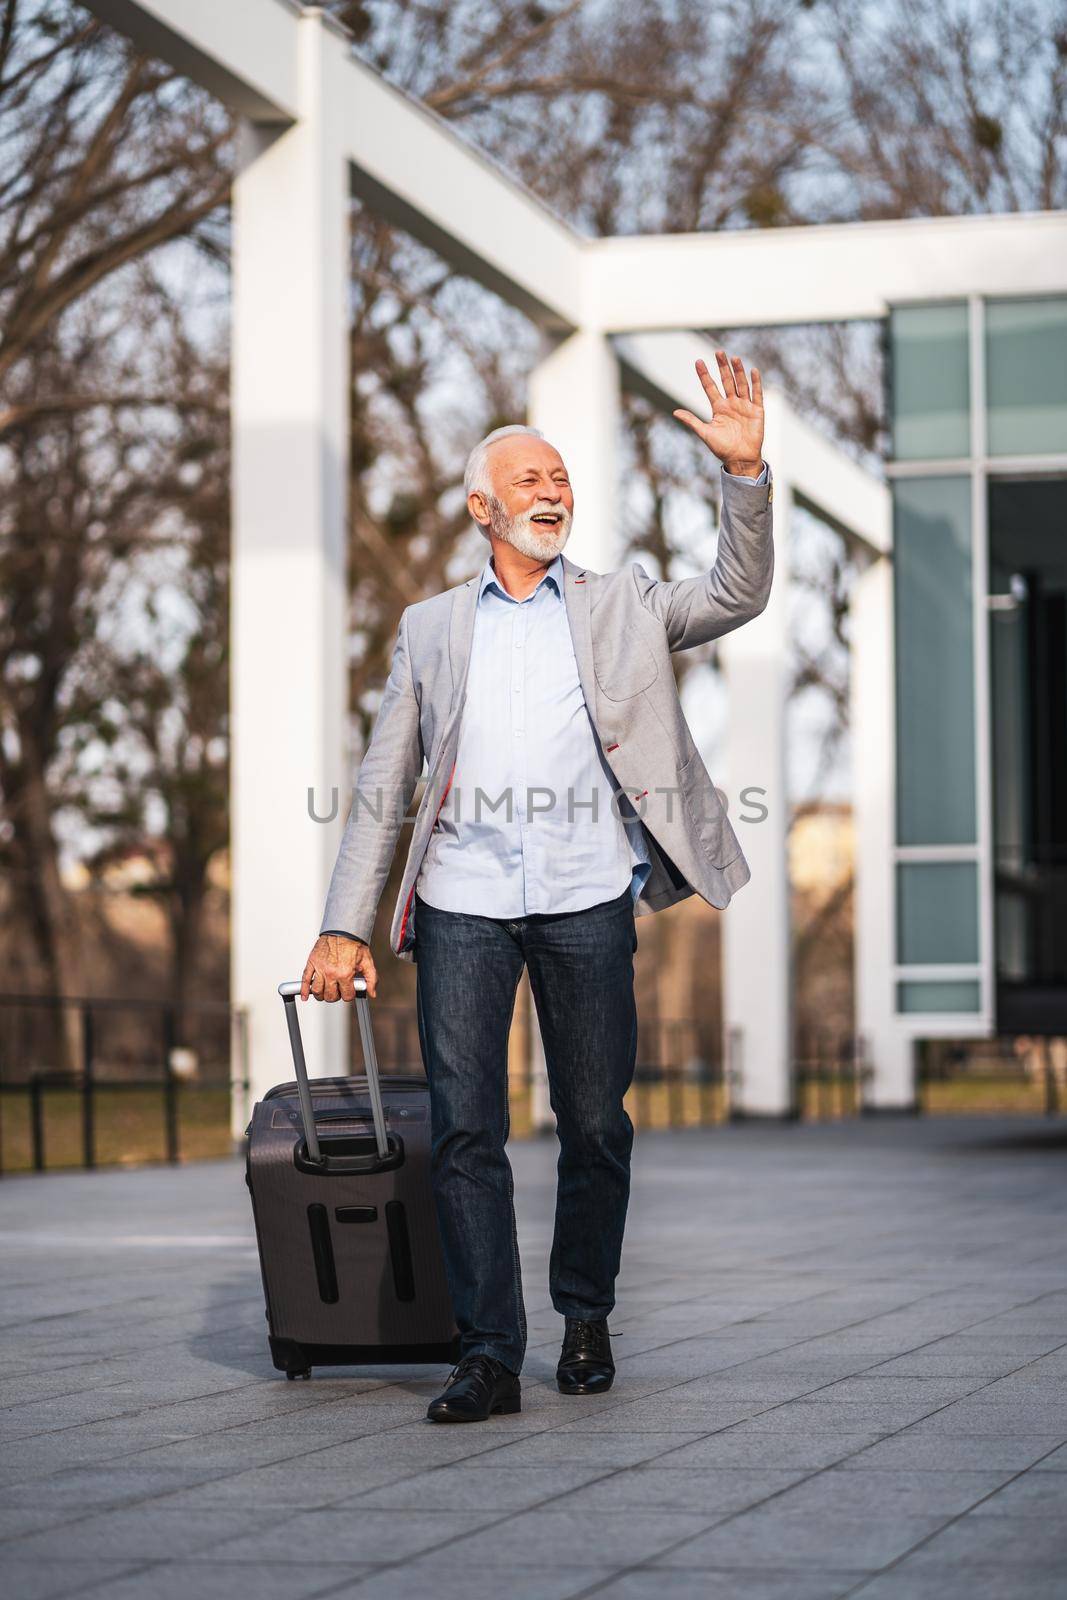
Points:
979	467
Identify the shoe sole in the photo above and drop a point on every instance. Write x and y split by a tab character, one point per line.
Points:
506	1408
584	1388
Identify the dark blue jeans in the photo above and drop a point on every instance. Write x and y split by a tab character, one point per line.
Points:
581	976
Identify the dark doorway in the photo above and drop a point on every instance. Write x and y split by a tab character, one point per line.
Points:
1028	663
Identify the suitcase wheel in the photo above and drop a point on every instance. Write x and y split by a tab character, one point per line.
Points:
305	1374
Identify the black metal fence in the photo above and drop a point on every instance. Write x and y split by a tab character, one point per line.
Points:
87	1081
999	1076
830	1075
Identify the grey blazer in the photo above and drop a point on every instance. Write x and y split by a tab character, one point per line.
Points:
624	625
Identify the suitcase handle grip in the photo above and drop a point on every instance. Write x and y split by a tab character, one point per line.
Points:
289	992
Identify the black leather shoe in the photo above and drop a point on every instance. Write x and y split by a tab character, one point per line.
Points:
585	1364
477	1386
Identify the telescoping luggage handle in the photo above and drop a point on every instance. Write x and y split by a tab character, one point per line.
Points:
289	992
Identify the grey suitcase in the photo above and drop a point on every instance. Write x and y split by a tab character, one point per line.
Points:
339	1174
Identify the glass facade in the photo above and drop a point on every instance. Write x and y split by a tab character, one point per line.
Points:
981	716
1026	376
937	912
934	661
929	382
960	995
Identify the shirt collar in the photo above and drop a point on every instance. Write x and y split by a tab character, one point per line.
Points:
553	576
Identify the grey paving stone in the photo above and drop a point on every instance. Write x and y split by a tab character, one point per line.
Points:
712	1492
463	1487
904	1582
894	1493
734	1385
928	1364
135	1533
730	1584
784	1450
940	1452
340	1537
977	1417
428	1578
1035	1494
42	1579
553	1538
287	1486
820	1311
778	1538
224	1580
609	1449
885	1389
662	1414
103	1486
1007	1543
828	1416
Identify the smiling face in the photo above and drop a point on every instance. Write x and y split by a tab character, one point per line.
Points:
531	505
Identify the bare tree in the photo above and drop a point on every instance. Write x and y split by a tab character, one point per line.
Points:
628	116
109	158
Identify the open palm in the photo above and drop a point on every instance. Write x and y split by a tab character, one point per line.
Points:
735	432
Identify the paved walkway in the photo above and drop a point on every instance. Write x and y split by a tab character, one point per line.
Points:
842	1359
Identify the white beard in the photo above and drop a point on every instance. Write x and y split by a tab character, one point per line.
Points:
522	532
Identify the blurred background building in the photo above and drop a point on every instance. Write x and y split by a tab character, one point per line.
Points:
267	271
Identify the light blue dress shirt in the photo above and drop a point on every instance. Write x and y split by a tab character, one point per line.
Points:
528	824
532	821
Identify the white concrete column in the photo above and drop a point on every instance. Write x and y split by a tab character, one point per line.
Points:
574	398
887	1046
757	977
290	436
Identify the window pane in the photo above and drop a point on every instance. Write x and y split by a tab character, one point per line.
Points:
1026	376
934	662
961	995
929	382
937	911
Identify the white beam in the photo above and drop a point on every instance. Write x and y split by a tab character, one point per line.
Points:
245	57
416	171
408	164
885	1039
573	397
290	451
827	273
757	976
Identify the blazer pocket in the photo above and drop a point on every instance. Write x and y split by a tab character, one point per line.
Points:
628	672
706	814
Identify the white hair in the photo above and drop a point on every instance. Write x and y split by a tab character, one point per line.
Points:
476	478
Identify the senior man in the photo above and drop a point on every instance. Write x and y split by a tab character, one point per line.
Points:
565	796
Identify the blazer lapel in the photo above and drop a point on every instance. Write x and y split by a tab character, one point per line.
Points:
576	595
461	635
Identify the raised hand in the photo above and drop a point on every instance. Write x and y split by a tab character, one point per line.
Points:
735	432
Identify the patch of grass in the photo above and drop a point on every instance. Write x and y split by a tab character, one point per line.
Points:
1012	1094
129	1127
